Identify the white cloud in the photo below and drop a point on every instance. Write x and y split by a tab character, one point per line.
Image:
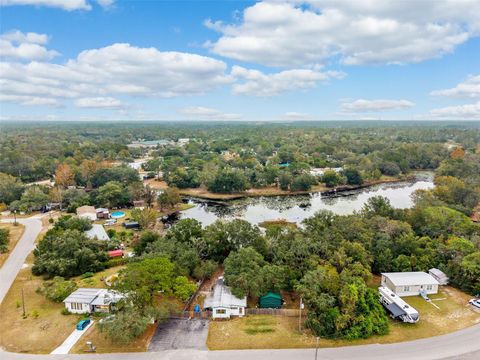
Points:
106	4
204	113
465	112
256	83
362	105
115	69
25	46
299	33
467	89
28	100
293	115
99	103
68	5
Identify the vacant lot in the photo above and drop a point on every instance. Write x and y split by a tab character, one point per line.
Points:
451	313
16	232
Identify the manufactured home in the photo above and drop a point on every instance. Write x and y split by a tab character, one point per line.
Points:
223	303
89	300
410	283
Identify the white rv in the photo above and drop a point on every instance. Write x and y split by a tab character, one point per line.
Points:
397	308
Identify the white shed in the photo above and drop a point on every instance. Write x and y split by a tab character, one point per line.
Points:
87	212
223	303
87	300
439	275
410	283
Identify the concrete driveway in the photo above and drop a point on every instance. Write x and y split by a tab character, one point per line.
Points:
16	259
69	342
180	334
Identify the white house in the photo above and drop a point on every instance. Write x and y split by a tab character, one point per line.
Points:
86	300
223	303
439	275
97	232
410	283
87	212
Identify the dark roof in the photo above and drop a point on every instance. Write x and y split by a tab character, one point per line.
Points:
395	310
272	295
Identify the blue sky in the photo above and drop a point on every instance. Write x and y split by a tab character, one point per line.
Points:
236	60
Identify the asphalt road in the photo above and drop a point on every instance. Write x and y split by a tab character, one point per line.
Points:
463	344
16	259
180	334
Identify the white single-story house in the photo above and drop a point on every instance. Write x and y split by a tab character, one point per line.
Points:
410	283
87	212
223	303
439	275
87	300
97	231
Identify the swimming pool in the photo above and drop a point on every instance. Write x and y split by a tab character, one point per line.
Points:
118	214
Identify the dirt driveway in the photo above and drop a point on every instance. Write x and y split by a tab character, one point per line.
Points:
180	334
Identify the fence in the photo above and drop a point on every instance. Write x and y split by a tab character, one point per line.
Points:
191	315
277	312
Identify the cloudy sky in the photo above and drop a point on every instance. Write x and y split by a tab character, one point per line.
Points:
237	60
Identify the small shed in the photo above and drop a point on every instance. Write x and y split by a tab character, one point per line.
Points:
115	253
270	300
87	212
131	225
439	275
410	283
103	213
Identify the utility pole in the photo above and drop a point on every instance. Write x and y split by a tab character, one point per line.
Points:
15	217
316	348
23	305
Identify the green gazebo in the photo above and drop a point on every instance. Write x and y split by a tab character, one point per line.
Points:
270	300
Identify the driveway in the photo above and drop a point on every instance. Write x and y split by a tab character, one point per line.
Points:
180	334
16	259
71	340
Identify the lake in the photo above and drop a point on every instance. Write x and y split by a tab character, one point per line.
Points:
297	208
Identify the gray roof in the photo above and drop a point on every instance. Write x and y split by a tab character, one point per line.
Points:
82	295
411	278
93	296
97	231
223	297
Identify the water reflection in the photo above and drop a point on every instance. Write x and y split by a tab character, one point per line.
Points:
298	208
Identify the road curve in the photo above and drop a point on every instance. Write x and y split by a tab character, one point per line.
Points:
16	259
462	344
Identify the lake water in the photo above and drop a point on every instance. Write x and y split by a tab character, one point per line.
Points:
298	208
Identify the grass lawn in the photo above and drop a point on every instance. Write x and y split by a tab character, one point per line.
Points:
45	327
105	345
97	280
16	232
264	331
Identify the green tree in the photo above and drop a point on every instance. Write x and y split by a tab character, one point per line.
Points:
243	272
4	240
57	289
168	198
126	326
228	181
112	194
331	178
183	288
146	218
353	176
10	188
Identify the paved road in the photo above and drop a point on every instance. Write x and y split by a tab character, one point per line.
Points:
462	344
16	259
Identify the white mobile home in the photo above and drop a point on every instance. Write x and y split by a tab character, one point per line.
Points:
223	303
85	300
410	283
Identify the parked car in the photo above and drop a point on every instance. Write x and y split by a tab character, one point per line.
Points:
82	324
475	302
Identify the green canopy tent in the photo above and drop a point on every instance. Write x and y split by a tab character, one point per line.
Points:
270	301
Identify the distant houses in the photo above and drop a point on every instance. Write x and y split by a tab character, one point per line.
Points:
223	303
410	283
87	212
88	300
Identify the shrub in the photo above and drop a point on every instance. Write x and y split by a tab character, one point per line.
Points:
57	289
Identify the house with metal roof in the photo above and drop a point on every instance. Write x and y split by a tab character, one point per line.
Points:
410	283
87	300
223	303
439	275
97	232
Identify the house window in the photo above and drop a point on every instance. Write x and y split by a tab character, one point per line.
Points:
76	306
220	311
406	288
429	287
240	311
